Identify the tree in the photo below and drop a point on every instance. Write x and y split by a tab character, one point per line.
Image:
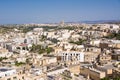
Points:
54	40
106	78
113	35
2	58
19	63
39	49
49	49
80	42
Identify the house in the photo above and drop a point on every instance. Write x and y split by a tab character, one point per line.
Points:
116	54
72	57
90	56
92	73
108	69
11	74
44	60
104	59
75	69
5	53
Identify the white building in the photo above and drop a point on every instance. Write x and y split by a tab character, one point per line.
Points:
21	59
72	56
4	72
38	29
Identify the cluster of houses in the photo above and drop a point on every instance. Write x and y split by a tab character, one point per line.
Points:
95	58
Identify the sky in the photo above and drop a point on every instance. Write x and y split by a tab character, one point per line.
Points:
52	11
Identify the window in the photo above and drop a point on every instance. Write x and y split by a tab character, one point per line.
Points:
23	77
8	79
14	78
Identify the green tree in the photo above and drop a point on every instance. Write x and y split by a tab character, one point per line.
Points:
19	63
106	78
113	35
39	49
49	49
2	58
80	42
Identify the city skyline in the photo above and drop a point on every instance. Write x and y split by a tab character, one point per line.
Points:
46	11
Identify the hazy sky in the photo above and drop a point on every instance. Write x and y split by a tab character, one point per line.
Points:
44	11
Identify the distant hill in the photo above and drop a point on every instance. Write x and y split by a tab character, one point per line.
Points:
103	21
98	22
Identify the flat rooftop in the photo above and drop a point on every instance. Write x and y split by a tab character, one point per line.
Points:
3	69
